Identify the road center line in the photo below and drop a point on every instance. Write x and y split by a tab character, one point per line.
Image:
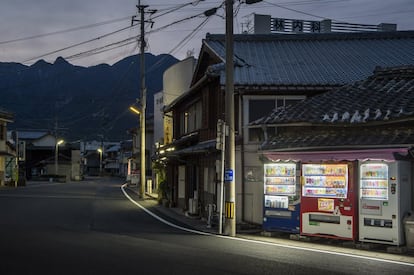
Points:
261	242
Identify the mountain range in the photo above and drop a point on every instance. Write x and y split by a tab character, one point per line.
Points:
80	103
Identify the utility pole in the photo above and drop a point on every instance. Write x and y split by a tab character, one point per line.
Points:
16	180
143	100
230	222
141	9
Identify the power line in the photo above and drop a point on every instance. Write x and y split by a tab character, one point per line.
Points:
111	33
64	31
79	44
194	3
123	42
104	48
294	10
183	20
189	36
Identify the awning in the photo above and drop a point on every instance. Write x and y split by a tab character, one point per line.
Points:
388	154
202	147
5	153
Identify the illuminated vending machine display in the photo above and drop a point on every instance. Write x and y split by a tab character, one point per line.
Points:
281	198
328	204
384	200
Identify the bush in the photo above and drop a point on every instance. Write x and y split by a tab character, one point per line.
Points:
163	191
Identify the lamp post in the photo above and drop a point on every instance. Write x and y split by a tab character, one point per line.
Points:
59	142
140	112
100	160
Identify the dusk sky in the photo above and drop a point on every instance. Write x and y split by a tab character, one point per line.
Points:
45	29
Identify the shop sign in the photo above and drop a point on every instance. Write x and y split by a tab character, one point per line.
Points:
295	25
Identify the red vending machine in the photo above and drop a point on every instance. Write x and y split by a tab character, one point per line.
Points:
329	202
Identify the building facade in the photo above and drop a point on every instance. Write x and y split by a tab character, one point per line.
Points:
6	152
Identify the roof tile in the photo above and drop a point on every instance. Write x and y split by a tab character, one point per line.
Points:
313	59
387	95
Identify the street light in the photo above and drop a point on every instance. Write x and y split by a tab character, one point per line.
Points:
59	142
100	160
135	110
141	113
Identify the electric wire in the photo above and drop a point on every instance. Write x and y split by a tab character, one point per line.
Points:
178	8
294	10
104	48
189	36
111	33
153	67
64	31
79	44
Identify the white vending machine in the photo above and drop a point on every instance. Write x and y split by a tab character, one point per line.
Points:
384	199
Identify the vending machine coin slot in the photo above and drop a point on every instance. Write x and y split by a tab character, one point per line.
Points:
393	188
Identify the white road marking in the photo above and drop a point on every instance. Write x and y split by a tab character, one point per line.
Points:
261	242
161	219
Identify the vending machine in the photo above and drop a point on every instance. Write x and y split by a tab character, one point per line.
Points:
329	205
281	198
385	197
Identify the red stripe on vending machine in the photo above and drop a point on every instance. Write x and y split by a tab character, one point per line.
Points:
329	204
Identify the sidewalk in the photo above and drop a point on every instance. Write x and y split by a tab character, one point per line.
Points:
181	218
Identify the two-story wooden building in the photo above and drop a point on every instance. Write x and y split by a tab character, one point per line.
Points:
270	71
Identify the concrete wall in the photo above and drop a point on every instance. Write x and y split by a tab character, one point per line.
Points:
177	79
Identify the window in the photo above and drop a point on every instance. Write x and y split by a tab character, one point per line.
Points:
2	131
190	120
258	107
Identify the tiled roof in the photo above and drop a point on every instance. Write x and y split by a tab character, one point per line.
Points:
385	96
4	114
342	138
114	148
28	135
313	59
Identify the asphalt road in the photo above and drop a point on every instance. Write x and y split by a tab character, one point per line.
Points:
90	227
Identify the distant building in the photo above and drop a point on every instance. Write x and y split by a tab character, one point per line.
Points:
7	153
39	151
